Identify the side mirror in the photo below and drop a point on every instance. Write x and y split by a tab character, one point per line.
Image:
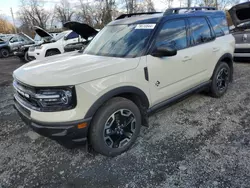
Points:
65	38
163	51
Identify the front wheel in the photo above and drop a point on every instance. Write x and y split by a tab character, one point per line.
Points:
115	127
220	80
4	53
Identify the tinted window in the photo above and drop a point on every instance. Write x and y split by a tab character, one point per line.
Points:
13	40
72	35
200	30
173	34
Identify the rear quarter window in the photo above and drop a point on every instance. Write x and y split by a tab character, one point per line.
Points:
220	25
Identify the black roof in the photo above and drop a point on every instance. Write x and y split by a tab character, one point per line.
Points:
157	17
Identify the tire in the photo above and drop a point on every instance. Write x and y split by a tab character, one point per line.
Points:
220	80
26	57
51	53
108	127
4	53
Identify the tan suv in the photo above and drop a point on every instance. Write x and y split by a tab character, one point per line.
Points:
136	65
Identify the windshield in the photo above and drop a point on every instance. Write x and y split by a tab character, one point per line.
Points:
120	41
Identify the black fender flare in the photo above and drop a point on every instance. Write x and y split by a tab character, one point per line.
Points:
230	63
53	49
116	92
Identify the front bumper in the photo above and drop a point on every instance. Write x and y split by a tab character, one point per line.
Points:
19	53
66	133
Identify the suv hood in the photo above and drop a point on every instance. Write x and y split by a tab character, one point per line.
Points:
240	14
71	69
42	33
84	30
28	40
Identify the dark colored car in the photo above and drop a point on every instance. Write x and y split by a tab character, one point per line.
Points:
85	31
9	44
240	15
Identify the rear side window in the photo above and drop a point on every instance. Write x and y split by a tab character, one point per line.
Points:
72	35
200	30
173	34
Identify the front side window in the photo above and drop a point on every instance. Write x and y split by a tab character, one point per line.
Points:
173	34
72	35
200	30
120	40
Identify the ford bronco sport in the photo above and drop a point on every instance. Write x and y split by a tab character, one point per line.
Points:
137	64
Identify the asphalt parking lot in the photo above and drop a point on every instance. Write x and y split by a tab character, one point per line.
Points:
199	142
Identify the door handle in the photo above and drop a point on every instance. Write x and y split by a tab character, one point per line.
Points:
216	49
187	58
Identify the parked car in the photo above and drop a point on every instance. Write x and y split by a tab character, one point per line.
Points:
87	34
241	32
135	66
22	50
54	45
9	44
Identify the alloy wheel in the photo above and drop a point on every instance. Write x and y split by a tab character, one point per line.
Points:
119	128
222	79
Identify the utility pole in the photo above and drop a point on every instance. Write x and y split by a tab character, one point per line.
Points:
189	3
13	20
216	4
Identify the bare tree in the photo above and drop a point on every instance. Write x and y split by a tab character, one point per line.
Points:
96	13
32	13
64	12
221	4
168	3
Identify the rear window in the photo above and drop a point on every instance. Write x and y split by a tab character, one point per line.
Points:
220	26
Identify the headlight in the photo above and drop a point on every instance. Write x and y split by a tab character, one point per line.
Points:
56	99
39	47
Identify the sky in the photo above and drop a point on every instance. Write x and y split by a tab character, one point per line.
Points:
5	6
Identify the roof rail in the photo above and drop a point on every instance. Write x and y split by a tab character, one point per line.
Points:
177	10
135	14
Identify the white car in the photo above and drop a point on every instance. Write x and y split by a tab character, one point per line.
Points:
54	45
136	65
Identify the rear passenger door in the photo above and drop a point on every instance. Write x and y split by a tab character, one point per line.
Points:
204	48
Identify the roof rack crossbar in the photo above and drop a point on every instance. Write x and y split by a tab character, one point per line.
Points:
135	14
177	10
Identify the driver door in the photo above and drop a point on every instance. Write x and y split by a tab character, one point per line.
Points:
170	76
14	43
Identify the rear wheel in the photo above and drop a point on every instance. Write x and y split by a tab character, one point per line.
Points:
220	80
115	127
4	53
51	53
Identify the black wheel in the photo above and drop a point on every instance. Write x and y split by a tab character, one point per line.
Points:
4	53
220	80
51	53
115	127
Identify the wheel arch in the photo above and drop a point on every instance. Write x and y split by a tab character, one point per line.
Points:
52	49
132	93
227	58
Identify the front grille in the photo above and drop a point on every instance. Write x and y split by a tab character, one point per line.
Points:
24	94
242	50
25	111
